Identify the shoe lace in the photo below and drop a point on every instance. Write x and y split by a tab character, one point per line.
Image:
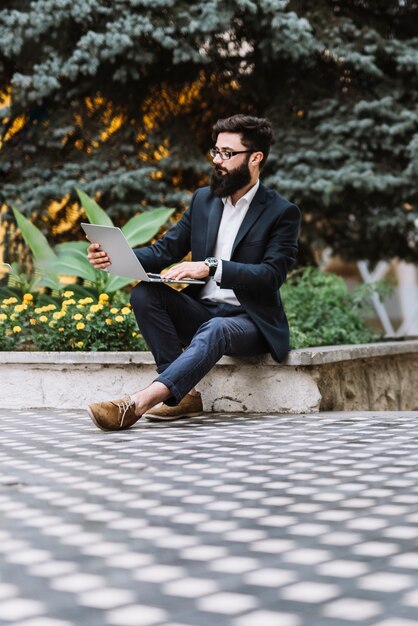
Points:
124	406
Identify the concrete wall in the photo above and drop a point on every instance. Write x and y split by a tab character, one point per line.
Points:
376	384
381	376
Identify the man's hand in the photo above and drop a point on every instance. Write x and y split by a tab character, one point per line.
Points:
98	257
197	269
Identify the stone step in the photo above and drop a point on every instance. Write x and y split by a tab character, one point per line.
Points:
376	377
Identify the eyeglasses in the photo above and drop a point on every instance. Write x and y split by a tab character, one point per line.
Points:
226	154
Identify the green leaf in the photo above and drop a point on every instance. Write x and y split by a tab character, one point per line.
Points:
49	280
80	291
43	254
94	212
75	263
116	282
5	269
143	227
69	246
7	292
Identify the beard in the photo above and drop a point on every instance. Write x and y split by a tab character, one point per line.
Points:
224	185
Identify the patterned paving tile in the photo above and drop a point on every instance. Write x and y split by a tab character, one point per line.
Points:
222	520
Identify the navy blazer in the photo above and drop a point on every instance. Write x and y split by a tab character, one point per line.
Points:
263	252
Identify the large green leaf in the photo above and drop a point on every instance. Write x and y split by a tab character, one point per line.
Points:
94	212
43	254
75	263
143	227
48	279
67	246
116	282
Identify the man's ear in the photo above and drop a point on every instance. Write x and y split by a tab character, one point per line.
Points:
256	158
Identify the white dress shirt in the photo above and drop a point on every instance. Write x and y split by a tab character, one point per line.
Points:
232	218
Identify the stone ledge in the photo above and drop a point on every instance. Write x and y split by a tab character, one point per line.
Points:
306	356
380	376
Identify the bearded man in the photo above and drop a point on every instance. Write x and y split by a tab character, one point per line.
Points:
243	240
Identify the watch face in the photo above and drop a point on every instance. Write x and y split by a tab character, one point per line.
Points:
212	263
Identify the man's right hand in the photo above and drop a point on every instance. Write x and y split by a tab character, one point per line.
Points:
98	257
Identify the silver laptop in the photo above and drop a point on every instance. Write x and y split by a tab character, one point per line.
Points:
124	261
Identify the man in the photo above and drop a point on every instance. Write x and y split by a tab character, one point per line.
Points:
243	240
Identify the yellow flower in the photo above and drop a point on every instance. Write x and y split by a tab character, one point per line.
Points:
32	321
28	297
43	318
126	310
77	316
14	316
108	321
134	334
52	324
3	316
95	307
103	297
50	307
68	302
58	315
80	326
79	344
11	301
114	310
68	294
88	300
39	309
20	307
89	316
16	329
119	318
60	329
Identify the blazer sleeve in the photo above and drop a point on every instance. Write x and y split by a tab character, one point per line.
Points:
279	256
171	248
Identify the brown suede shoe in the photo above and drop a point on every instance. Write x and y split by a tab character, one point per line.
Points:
190	406
115	414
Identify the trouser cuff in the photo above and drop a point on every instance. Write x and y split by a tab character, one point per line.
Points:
176	396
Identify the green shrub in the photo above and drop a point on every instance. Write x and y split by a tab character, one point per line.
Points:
321	311
318	305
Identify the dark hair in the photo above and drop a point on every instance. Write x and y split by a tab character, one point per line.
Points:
256	132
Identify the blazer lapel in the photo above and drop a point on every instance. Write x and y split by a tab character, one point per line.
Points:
257	206
214	219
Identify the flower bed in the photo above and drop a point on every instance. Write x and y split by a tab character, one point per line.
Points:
319	308
68	323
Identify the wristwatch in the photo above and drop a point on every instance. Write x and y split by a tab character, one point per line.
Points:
212	264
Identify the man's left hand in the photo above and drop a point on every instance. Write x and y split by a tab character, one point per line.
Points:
190	269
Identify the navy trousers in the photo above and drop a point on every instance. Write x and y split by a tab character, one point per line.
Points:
187	336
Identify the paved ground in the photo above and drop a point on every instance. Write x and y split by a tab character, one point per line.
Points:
233	521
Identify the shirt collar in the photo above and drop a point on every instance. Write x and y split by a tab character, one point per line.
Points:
246	198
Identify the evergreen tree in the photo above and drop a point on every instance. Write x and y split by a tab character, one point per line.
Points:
118	97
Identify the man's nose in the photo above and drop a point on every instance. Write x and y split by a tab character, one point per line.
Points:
217	158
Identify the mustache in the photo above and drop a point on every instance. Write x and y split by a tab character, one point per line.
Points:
218	168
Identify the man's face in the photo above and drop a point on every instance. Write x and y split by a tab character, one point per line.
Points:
230	175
